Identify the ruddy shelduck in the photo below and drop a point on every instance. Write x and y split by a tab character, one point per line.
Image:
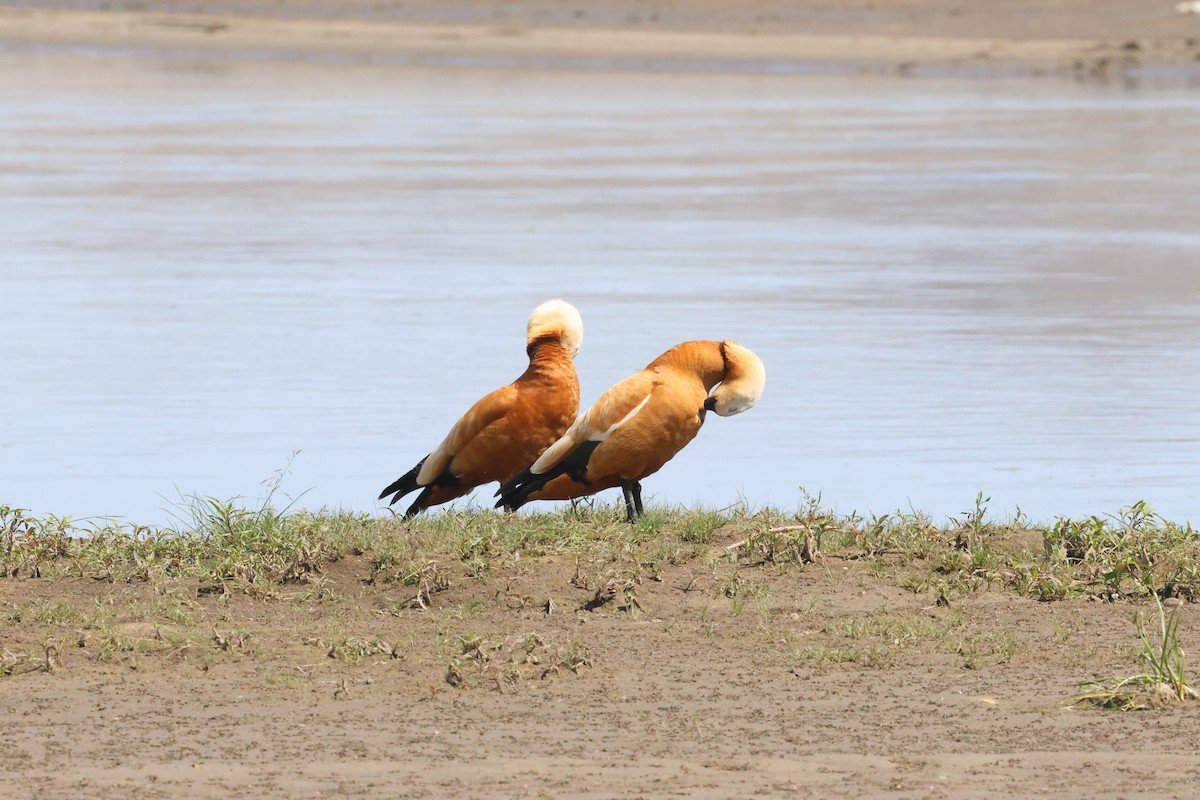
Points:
509	428
639	424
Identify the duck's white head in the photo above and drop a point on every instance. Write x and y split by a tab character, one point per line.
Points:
742	386
557	318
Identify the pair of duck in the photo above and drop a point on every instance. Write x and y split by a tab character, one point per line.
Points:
525	435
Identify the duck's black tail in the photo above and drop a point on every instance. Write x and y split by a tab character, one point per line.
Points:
403	485
515	492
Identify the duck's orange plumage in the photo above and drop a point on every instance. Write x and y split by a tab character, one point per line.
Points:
639	424
509	428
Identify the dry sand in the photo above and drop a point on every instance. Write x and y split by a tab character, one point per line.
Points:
829	681
1094	38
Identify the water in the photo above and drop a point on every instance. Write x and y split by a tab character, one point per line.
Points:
955	285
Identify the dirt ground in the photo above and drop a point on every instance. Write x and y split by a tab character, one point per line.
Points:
702	680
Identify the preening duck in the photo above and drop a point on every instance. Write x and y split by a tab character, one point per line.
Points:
639	424
507	429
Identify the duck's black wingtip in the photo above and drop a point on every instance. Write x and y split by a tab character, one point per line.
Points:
403	485
515	492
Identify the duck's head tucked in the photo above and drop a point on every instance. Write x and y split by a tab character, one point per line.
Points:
559	319
742	385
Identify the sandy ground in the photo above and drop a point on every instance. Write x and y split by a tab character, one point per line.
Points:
828	681
1091	38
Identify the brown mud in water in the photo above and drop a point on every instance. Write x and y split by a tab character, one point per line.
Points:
659	669
1067	37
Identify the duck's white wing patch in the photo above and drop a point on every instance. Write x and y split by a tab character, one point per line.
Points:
615	408
600	436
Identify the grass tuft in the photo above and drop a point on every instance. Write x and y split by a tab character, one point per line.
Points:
1162	677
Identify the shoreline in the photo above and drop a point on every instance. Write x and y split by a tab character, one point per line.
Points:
519	44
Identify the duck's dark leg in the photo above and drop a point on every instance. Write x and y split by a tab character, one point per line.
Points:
637	498
631	502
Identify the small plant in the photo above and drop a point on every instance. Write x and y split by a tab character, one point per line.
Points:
1044	583
989	649
505	665
972	529
12	663
803	541
910	534
28	544
426	574
893	630
45	612
233	640
621	591
1162	676
1130	554
871	656
353	650
698	527
576	657
739	588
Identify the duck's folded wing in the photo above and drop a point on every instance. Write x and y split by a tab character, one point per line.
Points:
490	408
615	408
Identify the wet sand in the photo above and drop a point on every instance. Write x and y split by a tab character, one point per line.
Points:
1036	37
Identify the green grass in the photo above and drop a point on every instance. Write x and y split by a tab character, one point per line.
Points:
282	554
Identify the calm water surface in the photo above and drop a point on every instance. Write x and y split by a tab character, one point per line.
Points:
955	285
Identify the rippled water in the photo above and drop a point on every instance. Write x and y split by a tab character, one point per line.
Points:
955	285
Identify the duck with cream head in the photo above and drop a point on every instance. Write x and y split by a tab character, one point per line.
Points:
506	430
641	423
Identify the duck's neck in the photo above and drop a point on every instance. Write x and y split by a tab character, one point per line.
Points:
548	358
703	359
